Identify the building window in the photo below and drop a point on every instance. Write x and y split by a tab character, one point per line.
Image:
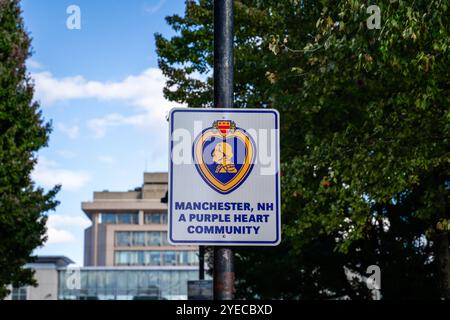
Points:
133	258
192	258
109	218
19	293
183	258
140	258
119	218
153	258
155	218
127	218
123	238
153	238
139	239
170	258
137	258
164	240
121	258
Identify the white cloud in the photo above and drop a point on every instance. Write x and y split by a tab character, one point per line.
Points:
143	91
71	131
58	220
48	174
154	8
58	236
33	64
57	224
100	125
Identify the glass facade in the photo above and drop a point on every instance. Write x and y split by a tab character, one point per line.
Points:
127	284
119	218
19	293
155	218
141	238
155	258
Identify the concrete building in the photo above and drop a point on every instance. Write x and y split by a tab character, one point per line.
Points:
126	253
130	228
47	269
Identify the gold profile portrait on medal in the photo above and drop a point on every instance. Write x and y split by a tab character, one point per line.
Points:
224	155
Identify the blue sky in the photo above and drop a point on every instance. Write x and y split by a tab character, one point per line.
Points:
101	88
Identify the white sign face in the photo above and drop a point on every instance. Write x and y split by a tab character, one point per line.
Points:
224	183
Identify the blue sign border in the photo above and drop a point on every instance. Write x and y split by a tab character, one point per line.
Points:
277	195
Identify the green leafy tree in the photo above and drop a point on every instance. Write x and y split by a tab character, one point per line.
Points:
365	138
376	135
22	133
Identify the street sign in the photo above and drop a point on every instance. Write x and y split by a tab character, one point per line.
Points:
200	289
224	183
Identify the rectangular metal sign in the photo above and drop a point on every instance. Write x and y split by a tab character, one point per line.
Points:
200	290
224	183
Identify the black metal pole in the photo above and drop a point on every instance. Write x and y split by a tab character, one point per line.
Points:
223	98
223	53
201	261
223	273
